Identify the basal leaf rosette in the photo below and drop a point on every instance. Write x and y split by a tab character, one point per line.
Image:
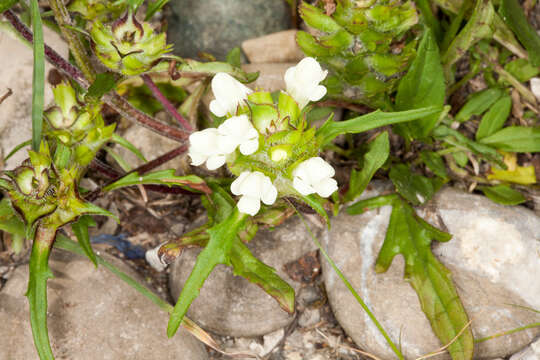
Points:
265	139
128	46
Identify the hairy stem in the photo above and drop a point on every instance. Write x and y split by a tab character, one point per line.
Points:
165	102
76	46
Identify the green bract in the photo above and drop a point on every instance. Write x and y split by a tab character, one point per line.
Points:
367	46
127	46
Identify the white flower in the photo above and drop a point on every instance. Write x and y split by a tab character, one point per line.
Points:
153	259
314	176
254	188
303	81
203	147
238	131
229	93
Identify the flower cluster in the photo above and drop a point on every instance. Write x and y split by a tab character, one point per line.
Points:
276	153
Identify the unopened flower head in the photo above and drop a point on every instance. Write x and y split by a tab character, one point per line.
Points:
314	175
229	94
203	148
303	81
254	187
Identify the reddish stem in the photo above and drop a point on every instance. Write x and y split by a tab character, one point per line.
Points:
171	109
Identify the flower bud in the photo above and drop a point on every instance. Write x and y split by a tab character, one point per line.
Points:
127	46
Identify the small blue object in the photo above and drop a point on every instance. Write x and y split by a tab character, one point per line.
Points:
119	241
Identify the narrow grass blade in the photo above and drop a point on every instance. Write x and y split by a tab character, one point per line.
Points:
38	77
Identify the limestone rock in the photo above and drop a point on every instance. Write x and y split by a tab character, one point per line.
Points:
273	48
493	257
531	352
151	146
270	77
231	305
16	74
217	26
92	315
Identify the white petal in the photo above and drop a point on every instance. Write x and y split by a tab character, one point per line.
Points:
318	169
197	158
302	187
215	161
229	92
249	205
249	147
153	259
253	184
326	187
269	194
317	93
227	144
217	109
236	185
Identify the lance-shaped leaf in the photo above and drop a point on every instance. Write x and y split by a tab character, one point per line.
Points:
374	158
410	236
515	138
502	194
478	27
512	14
163	177
80	229
331	129
423	85
251	268
216	252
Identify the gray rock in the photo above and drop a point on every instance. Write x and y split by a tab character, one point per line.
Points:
217	26
493	258
151	145
16	110
231	305
270	77
531	352
92	315
273	48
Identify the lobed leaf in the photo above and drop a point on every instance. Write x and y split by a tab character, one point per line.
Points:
416	188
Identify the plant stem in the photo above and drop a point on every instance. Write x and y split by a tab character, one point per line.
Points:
171	109
76	46
37	288
521	328
118	103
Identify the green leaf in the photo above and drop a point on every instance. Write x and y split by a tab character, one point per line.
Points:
7	4
478	102
154	7
332	129
38	75
515	138
162	177
129	146
316	203
119	159
522	69
429	19
222	236
495	118
17	148
37	290
410	236
423	85
251	268
416	188
104	83
80	229
512	14
435	163
524	175
374	158
371	203
503	194
234	57
455	138
11	223
478	27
